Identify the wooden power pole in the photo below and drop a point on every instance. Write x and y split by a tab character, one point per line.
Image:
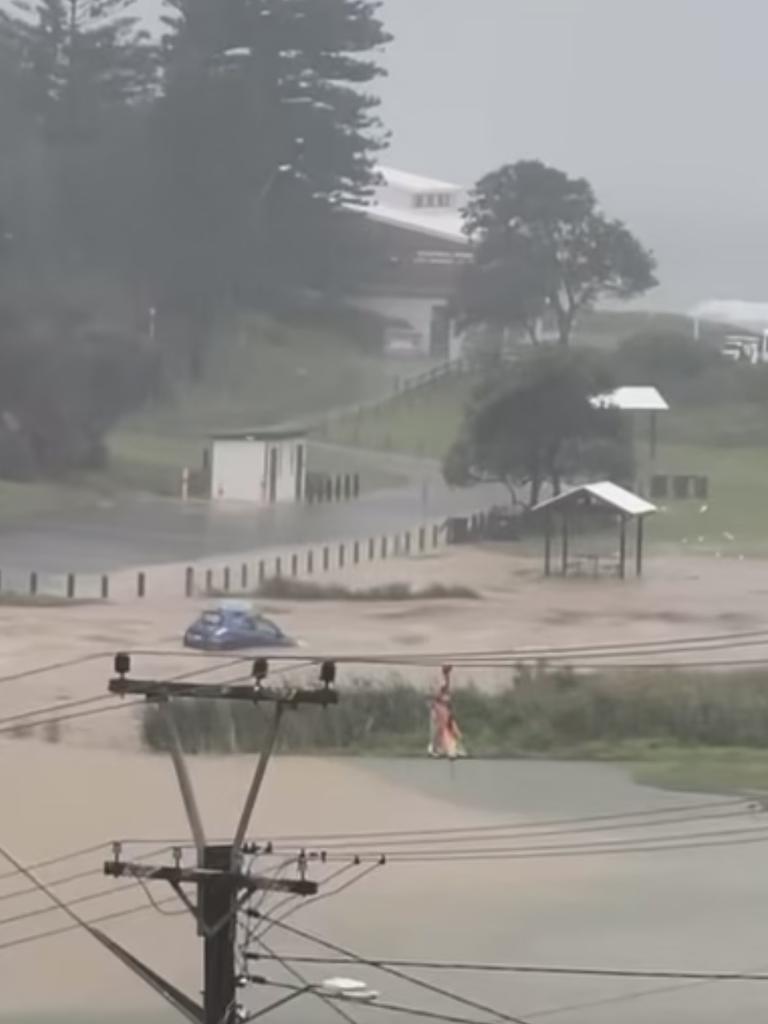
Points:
220	883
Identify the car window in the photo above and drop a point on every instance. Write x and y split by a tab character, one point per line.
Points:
211	618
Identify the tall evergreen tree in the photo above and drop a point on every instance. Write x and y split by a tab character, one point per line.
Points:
264	128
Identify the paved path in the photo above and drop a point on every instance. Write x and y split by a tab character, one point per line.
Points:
142	530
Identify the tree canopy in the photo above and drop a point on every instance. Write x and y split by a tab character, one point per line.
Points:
201	174
544	247
536	426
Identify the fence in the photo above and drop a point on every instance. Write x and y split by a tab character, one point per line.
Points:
243	574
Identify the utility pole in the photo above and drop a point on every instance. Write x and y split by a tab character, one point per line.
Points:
221	884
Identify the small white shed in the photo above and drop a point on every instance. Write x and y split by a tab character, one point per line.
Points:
263	466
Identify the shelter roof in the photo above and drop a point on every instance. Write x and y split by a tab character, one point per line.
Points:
605	493
633	399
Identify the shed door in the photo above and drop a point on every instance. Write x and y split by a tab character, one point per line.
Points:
272	475
299	471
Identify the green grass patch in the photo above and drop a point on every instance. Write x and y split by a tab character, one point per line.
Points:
260	372
424	422
281	588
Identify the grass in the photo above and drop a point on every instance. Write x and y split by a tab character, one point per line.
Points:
283	589
262	372
423	422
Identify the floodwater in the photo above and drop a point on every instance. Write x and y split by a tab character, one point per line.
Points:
695	909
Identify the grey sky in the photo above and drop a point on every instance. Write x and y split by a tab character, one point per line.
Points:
660	103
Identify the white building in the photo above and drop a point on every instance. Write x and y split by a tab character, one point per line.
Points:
415	228
264	466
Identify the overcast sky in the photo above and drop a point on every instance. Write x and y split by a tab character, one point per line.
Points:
660	103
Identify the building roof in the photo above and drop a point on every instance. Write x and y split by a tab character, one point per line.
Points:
753	315
443	224
393	204
415	182
278	432
605	493
633	399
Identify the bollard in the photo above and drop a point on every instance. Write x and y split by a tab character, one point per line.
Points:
383	547
407	542
105	588
329	489
71	586
347	487
356	485
33	583
310	563
422	539
294	565
337	489
189	582
396	545
141	585
326	559
262	572
208	581
243	576
356	553
435	536
227	579
342	556
371	549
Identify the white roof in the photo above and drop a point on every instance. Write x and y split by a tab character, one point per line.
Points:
445	224
732	311
608	493
633	399
415	182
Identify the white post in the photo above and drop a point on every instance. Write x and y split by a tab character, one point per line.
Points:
185	484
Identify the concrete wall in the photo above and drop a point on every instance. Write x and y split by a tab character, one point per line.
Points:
416	313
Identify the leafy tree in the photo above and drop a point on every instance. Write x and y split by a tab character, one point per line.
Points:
65	380
538	426
544	246
263	128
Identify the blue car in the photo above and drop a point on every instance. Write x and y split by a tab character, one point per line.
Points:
234	627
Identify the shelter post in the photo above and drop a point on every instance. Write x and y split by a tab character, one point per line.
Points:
548	545
565	542
654	434
623	547
639	546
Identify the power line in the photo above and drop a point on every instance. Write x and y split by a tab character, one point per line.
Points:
68	879
274	921
396	972
376	1004
592	844
52	861
298	976
555	852
51	933
545	969
328	837
75	715
499	833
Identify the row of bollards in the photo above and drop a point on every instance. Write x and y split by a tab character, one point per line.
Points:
308	563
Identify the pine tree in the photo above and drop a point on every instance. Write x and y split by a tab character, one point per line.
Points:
85	60
264	128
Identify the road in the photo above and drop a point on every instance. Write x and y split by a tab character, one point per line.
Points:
143	530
